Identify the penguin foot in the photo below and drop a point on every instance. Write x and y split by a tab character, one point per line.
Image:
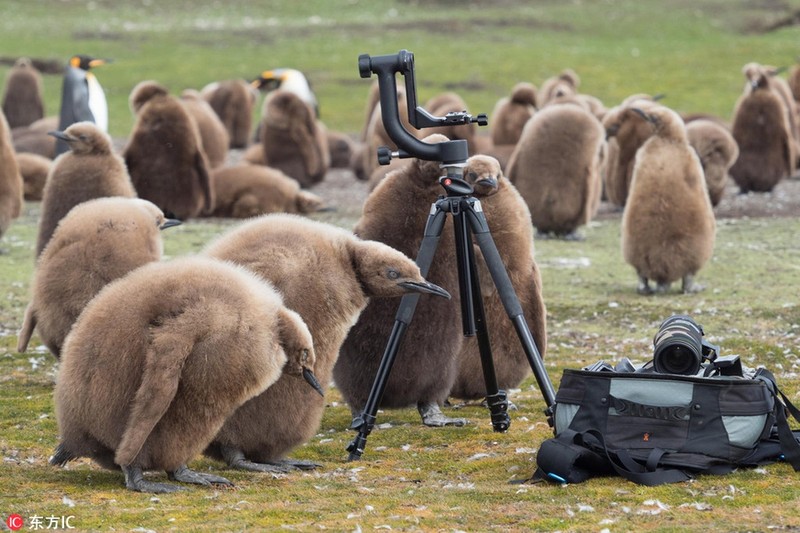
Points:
690	286
297	464
236	459
184	475
545	235
663	288
573	236
644	286
134	480
432	416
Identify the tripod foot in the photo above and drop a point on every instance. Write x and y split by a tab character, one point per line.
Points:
432	416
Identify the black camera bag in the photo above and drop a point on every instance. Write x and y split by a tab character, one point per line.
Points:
654	428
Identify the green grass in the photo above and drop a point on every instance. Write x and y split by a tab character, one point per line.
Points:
415	478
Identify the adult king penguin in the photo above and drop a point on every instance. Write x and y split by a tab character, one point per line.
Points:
290	80
82	97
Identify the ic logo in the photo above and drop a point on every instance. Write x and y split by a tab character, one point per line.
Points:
14	522
646	437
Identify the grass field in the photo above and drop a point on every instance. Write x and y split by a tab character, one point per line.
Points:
415	478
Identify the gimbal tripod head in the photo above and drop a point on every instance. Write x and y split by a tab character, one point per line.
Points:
385	67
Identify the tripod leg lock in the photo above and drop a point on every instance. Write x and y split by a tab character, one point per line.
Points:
363	423
498	408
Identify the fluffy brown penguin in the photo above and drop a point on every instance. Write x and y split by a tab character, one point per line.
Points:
668	226
340	147
34	169
763	133
426	366
11	195
245	191
35	139
291	138
193	339
625	134
565	84
556	168
510	223
22	99
717	150
327	275
164	154
213	134
511	113
793	79
233	101
97	242
89	170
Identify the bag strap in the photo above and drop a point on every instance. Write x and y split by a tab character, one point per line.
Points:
566	458
790	447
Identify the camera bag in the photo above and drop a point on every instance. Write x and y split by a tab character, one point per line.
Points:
654	428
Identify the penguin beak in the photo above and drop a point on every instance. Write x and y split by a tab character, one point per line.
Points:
642	114
98	61
311	379
64	136
424	287
659	96
169	223
489	183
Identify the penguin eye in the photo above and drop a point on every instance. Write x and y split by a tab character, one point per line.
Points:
393	274
82	137
473	176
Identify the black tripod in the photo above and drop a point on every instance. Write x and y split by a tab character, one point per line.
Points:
469	221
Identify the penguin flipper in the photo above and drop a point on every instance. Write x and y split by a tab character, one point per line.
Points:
162	371
28	324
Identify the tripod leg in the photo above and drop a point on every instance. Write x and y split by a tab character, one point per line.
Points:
496	399
405	312
511	303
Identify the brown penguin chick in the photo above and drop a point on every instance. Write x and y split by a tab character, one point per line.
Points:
35	138
327	275
763	133
511	113
668	225
793	79
193	339
11	196
752	71
164	154
717	151
373	99
556	168
34	169
382	171
291	138
97	242
625	134
509	220
340	147
426	366
89	170
213	134
233	101
439	106
22	98
566	83
245	191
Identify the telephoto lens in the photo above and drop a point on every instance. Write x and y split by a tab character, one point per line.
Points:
678	346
